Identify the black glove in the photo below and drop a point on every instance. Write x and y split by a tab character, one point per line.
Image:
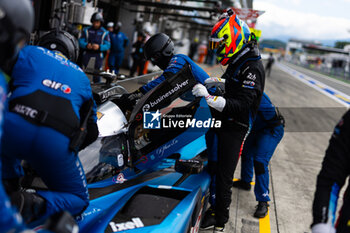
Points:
128	101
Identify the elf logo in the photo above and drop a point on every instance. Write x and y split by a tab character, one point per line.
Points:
134	223
56	85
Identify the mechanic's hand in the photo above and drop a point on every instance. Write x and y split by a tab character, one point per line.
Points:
215	82
128	101
95	46
200	91
89	46
323	228
135	95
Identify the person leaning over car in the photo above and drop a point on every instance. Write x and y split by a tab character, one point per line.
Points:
45	117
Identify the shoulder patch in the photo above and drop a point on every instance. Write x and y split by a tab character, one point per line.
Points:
251	76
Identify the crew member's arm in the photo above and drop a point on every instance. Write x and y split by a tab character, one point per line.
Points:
106	42
155	82
174	66
92	129
83	39
242	101
335	169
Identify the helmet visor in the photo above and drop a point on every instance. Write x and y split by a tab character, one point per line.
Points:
215	43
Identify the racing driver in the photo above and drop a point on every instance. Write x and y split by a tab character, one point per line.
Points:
244	86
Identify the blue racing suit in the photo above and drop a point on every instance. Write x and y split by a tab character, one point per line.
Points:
48	101
175	65
10	220
118	43
267	132
94	36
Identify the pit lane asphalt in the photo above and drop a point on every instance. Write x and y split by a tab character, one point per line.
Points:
297	159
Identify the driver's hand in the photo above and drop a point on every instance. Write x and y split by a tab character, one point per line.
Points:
323	228
89	46
200	91
95	46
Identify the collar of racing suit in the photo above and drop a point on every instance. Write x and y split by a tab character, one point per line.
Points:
250	52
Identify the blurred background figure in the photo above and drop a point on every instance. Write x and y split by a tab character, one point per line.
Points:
94	41
193	48
269	64
202	52
137	55
148	35
119	41
210	59
110	28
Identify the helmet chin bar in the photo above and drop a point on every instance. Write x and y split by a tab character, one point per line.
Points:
163	63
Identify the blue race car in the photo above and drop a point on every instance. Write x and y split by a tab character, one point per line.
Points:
144	175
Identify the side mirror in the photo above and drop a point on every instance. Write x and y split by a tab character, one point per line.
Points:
189	166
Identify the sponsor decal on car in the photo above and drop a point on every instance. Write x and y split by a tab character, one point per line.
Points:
161	150
195	229
99	115
134	223
120	179
166	95
105	95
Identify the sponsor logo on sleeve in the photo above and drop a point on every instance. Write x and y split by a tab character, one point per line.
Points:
57	86
251	76
249	83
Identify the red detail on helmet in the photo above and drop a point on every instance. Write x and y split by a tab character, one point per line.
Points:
234	36
217	25
224	61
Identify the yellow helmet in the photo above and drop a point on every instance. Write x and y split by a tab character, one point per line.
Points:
229	36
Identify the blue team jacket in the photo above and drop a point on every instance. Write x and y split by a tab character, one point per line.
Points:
175	65
41	69
117	42
266	110
93	36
